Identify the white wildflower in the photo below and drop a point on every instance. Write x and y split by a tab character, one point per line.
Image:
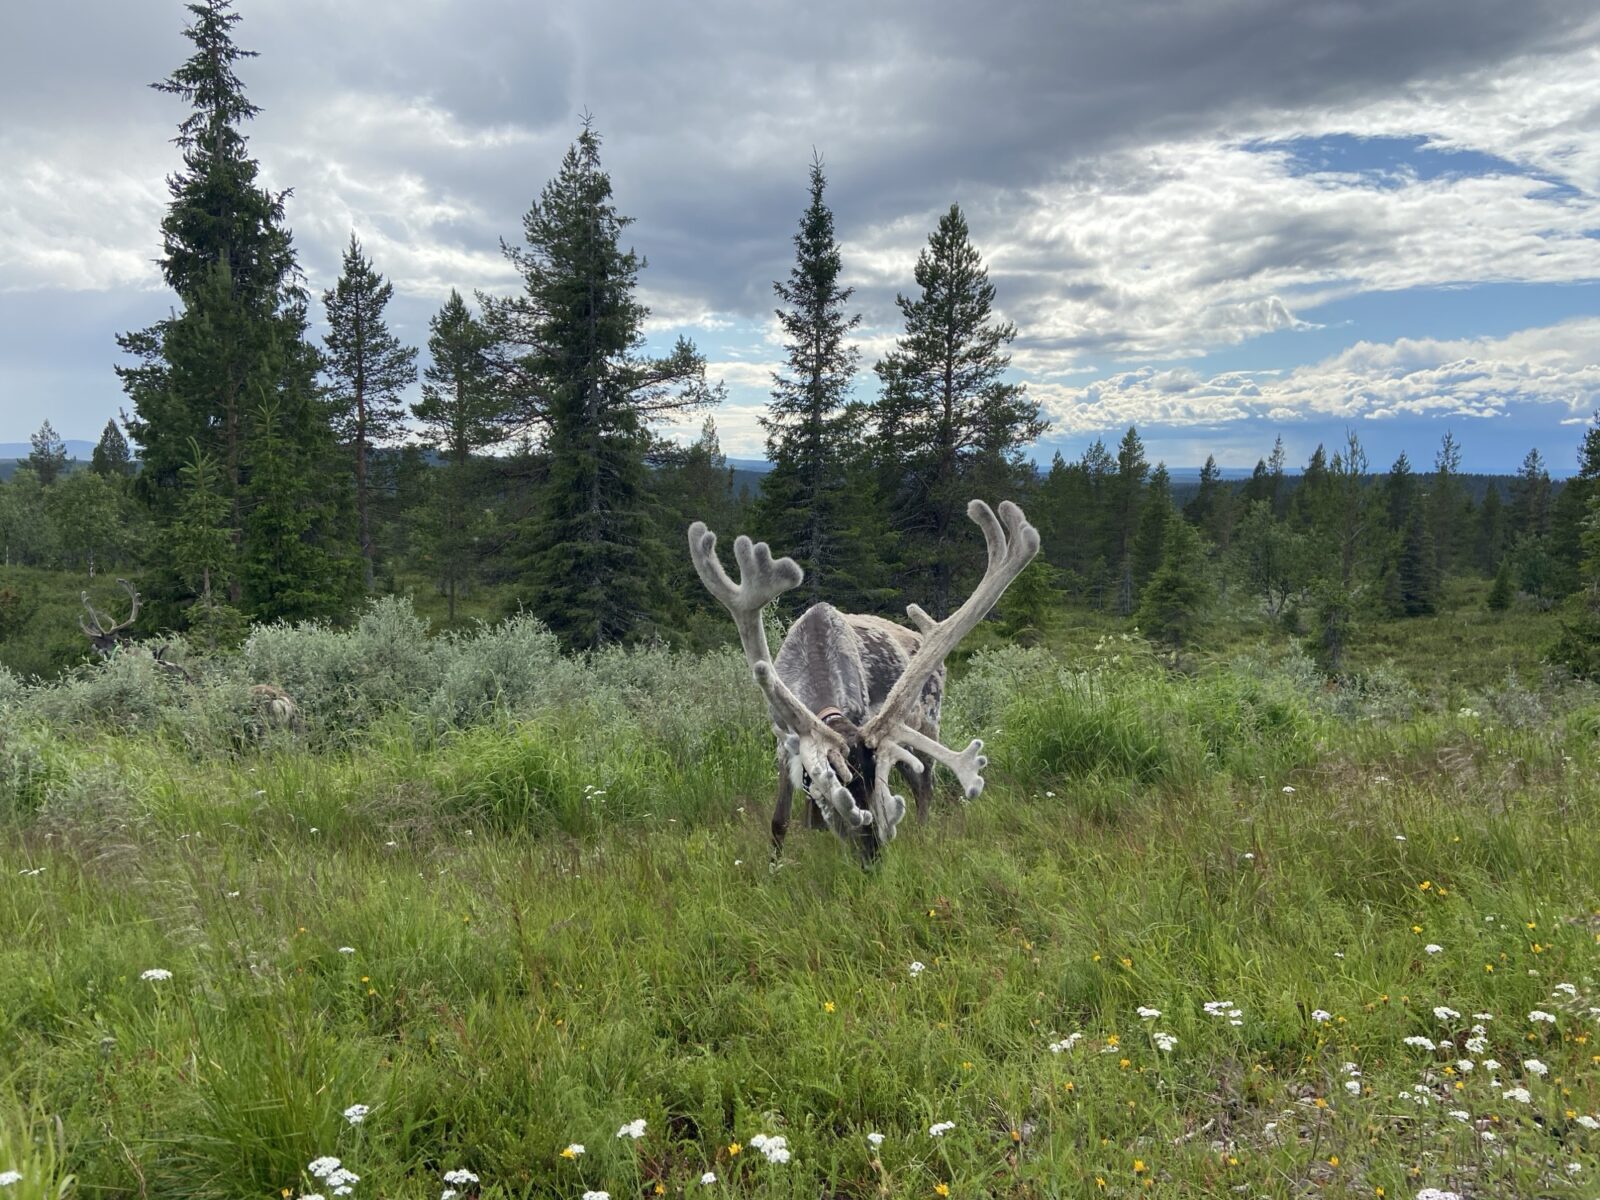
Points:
1574	1168
1320	1015
1567	988
1353	1086
573	1150
1066	1043
1250	855
7	1178
776	1148
1421	1042
940	1128
1352	1070
461	1176
1461	1114
321	1168
1491	1064
1477	1045
1465	1065
156	974
1165	1041
1432	948
708	1178
1445	1013
633	1129
1147	1013
356	1113
33	872
449	1194
597	1196
1520	1094
917	968
1589	1122
875	1138
1399	837
1539	1014
1536	1067
347	949
1482	1017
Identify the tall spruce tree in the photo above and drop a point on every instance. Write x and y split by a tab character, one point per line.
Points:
1127	498
460	415
367	369
960	425
111	458
567	353
1447	505
806	507
236	349
47	454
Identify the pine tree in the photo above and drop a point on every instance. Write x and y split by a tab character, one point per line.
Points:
111	458
238	346
1447	505
1178	597
461	415
805	507
1127	492
48	455
1502	593
367	369
1489	537
959	426
566	356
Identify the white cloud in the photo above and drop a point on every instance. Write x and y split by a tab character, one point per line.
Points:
1557	365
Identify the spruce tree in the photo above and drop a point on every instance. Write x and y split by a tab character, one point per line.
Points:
1210	509
236	348
567	357
1489	537
1568	513
1502	592
960	425
367	369
805	506
47	455
1417	567
460	416
1149	543
1578	645
1178	597
1528	514
1127	493
1447	505
111	458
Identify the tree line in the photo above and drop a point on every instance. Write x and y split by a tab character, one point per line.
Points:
278	478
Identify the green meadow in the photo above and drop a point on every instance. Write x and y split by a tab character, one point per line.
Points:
1215	928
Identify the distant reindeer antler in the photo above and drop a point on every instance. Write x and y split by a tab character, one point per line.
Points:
95	629
1012	544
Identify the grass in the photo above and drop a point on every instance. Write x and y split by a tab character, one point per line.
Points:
532	931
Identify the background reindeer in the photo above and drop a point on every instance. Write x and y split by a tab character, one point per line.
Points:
851	696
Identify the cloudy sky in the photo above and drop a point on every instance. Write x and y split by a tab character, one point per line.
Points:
1220	220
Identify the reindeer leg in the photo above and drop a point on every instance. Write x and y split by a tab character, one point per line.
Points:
780	813
921	785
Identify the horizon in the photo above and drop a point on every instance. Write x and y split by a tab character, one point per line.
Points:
1200	227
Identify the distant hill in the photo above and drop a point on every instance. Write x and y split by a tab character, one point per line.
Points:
75	449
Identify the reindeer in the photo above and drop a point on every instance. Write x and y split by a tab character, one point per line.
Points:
852	696
106	640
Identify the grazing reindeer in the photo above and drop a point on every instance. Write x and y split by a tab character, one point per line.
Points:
106	640
851	696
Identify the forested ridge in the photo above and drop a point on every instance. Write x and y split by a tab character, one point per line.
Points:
259	474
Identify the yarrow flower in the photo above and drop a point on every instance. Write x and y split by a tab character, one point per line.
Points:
1539	1014
1520	1094
597	1196
708	1178
775	1148
1589	1122
321	1168
1437	1194
939	1129
917	968
1320	1015
347	949
1165	1041
461	1176
1432	948
1420	1042
875	1138
633	1129
1445	1013
7	1178
156	974
1353	1086
572	1151
356	1113
1066	1043
1536	1067
1149	1014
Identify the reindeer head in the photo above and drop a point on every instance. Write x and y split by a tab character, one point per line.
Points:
102	634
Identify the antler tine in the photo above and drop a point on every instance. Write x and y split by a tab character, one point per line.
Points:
99	629
133	612
762	579
1012	543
